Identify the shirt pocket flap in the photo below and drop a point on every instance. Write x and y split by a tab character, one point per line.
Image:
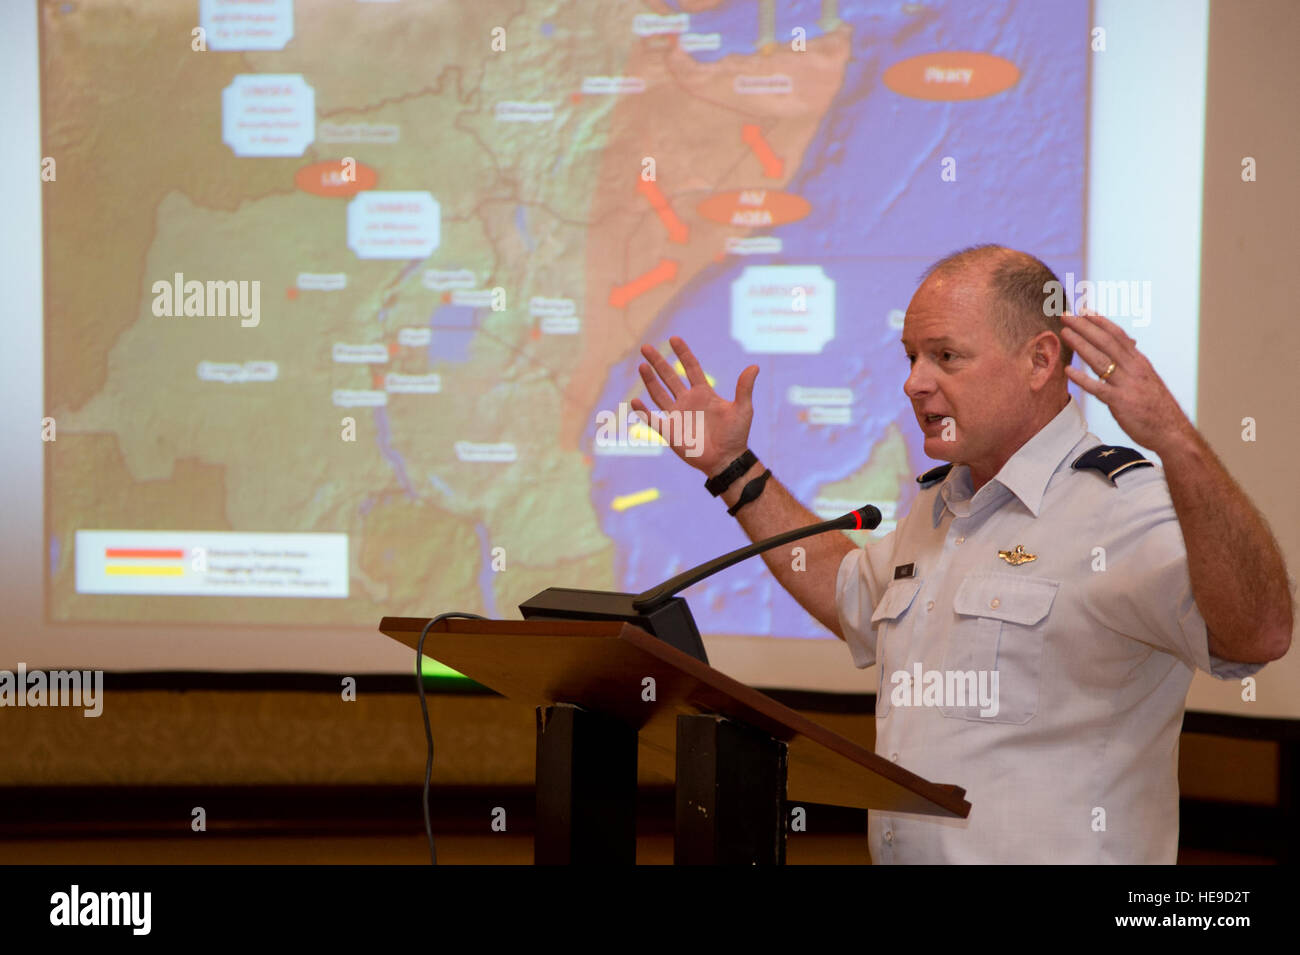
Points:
896	598
1020	600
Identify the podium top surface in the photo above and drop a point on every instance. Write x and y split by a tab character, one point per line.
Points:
603	666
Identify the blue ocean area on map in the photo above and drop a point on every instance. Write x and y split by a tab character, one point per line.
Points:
880	213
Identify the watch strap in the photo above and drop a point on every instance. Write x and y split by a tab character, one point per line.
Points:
723	480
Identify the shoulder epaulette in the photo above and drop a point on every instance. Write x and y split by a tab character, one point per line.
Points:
1111	460
933	475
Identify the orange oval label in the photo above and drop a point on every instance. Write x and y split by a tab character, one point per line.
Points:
334	180
956	75
754	208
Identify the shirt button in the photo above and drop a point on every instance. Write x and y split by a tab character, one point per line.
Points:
894	757
995	603
929	605
889	835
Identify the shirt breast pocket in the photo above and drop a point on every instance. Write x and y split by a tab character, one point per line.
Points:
995	649
888	615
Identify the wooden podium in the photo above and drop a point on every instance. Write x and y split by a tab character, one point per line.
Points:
601	688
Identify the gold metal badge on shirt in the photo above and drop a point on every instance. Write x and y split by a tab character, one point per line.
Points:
1018	556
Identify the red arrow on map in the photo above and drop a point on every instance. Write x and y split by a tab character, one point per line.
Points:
753	138
677	230
621	295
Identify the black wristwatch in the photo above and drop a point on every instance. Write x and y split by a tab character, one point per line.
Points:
720	482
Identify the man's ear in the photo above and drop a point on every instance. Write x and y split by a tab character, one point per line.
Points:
1044	353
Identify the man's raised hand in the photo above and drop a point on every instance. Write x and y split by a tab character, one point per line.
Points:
719	429
1126	382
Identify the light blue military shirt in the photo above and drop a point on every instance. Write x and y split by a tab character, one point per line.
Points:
1051	688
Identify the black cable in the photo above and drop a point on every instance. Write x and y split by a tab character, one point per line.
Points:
424	709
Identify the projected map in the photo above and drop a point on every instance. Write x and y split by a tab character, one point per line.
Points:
329	327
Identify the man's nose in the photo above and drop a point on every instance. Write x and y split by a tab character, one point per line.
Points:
919	382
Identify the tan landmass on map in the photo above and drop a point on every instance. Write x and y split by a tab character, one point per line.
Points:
690	121
538	209
116	159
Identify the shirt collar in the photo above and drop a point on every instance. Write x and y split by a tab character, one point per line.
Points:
1026	472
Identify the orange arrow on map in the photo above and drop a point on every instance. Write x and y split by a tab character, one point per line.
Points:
621	295
677	230
753	137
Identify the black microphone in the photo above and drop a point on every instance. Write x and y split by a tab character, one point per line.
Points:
657	610
864	518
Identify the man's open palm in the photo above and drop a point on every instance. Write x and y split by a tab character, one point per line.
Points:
722	426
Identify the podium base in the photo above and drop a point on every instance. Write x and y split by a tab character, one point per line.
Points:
586	788
730	797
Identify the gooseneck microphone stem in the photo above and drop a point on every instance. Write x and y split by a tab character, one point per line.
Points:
864	518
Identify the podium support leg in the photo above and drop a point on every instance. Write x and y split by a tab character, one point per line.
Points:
730	795
586	788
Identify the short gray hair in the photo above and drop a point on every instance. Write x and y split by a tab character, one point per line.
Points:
1021	287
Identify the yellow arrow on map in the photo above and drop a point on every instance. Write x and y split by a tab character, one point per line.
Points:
624	501
643	434
682	371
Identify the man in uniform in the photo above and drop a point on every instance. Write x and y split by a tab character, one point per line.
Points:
1038	613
